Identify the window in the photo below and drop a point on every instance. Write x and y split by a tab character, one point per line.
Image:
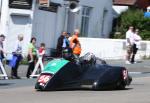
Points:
20	4
52	7
103	22
86	12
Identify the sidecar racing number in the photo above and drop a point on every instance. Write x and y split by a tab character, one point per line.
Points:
44	79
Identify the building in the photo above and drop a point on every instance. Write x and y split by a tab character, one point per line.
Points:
120	6
27	17
16	18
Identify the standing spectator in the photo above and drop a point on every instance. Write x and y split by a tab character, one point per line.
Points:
66	50
129	43
18	54
41	53
60	44
2	39
32	56
42	49
75	44
136	44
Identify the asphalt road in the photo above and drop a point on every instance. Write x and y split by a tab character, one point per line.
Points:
22	91
140	66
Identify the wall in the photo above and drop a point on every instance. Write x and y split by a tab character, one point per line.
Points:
44	25
52	24
15	22
111	48
47	26
96	22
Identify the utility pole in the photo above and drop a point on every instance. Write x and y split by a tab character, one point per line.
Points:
4	17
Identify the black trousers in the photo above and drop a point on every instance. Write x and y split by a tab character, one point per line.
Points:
31	66
14	70
30	69
135	49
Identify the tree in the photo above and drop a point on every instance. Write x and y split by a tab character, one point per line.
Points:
133	17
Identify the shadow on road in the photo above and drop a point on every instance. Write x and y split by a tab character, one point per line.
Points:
85	90
6	84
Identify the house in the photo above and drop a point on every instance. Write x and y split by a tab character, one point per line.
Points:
122	5
46	19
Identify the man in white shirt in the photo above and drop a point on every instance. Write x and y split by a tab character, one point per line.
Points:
129	43
136	45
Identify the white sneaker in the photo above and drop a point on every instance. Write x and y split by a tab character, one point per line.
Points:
128	62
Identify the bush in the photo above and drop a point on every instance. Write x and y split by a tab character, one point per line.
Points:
24	61
134	17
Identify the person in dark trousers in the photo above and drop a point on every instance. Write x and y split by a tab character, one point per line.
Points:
18	54
32	56
137	39
60	44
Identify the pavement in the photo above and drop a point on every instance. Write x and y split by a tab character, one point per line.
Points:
142	66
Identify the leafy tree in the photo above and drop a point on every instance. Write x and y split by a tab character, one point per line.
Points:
132	17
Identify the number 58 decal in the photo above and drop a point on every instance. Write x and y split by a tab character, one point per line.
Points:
44	78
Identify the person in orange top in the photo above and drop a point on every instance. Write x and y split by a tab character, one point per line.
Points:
75	44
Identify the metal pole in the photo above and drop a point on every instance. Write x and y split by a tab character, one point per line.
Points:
66	19
4	17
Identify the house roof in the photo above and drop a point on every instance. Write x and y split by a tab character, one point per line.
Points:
124	2
142	4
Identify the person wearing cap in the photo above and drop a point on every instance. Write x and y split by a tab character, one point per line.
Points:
17	53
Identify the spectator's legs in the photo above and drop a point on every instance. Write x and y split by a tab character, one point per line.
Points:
14	71
134	53
30	69
128	55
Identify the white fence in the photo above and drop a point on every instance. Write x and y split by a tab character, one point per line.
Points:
112	48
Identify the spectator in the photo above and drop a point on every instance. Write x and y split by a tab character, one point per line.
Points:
18	54
129	43
61	44
41	53
2	39
75	44
67	50
32	56
42	49
137	39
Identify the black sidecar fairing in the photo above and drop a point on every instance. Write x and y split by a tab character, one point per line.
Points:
68	75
